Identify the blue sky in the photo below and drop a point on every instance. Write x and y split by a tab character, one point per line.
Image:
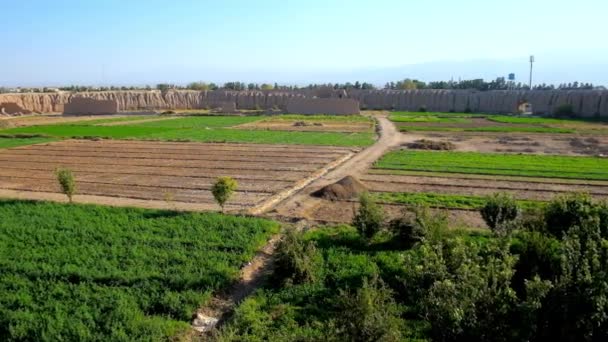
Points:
146	42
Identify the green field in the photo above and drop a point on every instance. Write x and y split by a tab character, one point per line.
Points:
201	129
441	200
14	142
542	166
83	273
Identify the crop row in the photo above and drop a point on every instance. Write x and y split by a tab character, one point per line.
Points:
497	164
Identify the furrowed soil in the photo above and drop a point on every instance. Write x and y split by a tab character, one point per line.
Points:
172	172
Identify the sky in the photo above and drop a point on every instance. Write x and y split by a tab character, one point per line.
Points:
138	42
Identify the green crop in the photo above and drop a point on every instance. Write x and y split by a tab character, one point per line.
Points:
82	272
546	166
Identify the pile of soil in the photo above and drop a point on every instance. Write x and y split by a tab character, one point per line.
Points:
306	124
425	144
344	189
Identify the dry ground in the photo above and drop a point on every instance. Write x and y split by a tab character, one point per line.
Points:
163	171
321	126
537	143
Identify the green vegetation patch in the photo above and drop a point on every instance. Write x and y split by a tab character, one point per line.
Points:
82	272
201	129
442	200
8	142
542	166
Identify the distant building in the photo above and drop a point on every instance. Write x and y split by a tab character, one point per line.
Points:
525	108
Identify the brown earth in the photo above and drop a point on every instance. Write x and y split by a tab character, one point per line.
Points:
536	143
321	126
175	172
346	188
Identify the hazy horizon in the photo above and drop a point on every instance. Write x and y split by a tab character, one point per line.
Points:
147	42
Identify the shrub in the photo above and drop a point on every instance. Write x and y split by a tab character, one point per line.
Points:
223	189
369	218
422	109
369	314
499	212
296	260
564	110
406	230
67	183
567	211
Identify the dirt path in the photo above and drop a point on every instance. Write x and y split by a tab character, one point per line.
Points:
252	275
301	204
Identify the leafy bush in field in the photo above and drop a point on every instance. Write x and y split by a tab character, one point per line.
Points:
369	314
369	218
567	211
565	110
297	260
223	189
500	212
82	273
67	183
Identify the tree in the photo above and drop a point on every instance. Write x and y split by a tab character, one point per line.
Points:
297	261
369	217
66	180
223	189
499	211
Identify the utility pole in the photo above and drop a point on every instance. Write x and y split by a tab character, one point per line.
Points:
531	62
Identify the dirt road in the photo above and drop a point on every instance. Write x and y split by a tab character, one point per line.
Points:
299	205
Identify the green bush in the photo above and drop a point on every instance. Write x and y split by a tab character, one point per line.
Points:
499	212
297	260
567	211
565	110
369	218
67	183
223	189
369	314
422	109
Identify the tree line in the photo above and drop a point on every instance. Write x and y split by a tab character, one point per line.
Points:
499	83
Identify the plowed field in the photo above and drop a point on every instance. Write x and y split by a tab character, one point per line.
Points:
181	172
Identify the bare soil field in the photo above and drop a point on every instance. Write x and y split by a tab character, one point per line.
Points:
173	172
536	143
302	126
480	187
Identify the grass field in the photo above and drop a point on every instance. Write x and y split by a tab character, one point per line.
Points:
201	129
441	200
497	164
81	272
14	142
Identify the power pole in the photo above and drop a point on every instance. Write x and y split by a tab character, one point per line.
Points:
531	62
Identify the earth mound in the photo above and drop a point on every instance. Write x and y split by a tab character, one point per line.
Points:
425	144
346	188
